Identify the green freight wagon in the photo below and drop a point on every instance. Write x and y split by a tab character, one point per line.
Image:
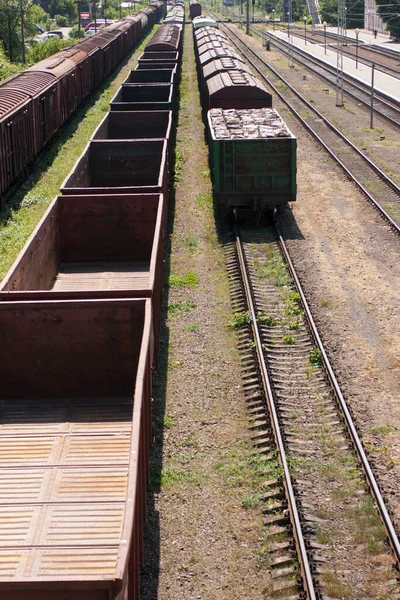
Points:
253	159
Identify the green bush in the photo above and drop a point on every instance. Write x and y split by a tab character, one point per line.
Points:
47	48
61	20
76	33
6	67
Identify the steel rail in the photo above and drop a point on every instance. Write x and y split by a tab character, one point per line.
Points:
352	177
318	39
287	482
372	483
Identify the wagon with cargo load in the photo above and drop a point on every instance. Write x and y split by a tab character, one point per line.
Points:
253	159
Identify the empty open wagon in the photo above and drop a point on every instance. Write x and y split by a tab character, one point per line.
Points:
92	247
152	76
120	167
146	59
146	96
138	125
75	433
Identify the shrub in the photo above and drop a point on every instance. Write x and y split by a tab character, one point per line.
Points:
6	67
49	47
61	20
76	33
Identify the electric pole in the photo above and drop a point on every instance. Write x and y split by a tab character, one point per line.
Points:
341	38
248	17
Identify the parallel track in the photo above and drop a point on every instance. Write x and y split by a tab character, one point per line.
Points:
351	49
359	92
384	107
284	381
380	190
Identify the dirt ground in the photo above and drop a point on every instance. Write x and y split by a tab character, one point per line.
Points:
200	541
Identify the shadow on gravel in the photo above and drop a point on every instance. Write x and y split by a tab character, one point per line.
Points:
288	224
150	572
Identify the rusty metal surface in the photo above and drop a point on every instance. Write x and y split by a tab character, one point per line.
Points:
135	125
85	234
144	97
214	53
93	247
195	9
11	99
30	82
75	72
226	63
152	76
167	38
237	89
102	276
119	167
158	57
67	468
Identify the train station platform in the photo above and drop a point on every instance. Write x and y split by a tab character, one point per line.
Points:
383	83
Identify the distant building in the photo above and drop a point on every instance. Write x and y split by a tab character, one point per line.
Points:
372	20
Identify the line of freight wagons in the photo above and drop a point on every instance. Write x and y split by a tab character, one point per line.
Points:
79	321
36	103
252	152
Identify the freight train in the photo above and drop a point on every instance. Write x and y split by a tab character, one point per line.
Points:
79	321
195	9
252	152
36	103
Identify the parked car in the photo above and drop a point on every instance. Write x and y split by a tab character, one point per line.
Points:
48	35
57	32
99	24
38	28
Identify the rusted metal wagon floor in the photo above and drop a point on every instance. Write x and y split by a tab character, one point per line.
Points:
102	276
63	480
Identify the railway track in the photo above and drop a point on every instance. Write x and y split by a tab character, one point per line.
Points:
380	189
382	61
360	93
308	446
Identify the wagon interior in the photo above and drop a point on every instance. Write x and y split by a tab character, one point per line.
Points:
151	76
118	164
126	125
71	349
91	243
144	93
